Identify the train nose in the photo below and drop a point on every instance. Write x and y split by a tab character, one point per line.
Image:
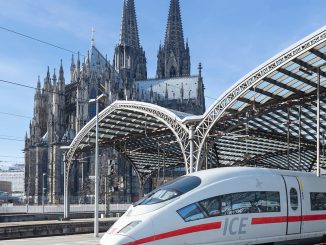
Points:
115	239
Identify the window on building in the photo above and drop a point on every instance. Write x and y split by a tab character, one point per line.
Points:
318	201
92	106
173	72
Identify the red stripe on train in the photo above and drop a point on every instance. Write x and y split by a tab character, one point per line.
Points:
217	225
283	219
179	232
314	217
268	220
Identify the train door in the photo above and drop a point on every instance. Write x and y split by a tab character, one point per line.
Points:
294	205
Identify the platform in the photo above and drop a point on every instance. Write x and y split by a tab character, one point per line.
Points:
27	229
81	239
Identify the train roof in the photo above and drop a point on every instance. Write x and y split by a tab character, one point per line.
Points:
211	175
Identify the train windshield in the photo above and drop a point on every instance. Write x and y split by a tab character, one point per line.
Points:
170	190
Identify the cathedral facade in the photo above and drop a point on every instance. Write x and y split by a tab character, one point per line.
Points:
61	109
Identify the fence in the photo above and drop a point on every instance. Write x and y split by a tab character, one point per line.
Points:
59	208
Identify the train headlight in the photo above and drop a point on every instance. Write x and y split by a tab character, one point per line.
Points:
129	227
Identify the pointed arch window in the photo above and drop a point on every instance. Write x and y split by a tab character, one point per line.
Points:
173	72
92	106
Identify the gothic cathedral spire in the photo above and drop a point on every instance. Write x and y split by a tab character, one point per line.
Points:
129	58
133	28
124	38
174	31
173	57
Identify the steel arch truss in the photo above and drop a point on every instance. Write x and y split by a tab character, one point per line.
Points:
266	99
139	131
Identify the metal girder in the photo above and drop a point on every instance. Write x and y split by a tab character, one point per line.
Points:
264	92
318	53
283	85
260	74
308	66
248	101
298	77
162	117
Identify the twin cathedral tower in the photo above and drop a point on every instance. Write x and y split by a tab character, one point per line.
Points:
61	109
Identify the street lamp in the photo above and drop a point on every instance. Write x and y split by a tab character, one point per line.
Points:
96	181
43	191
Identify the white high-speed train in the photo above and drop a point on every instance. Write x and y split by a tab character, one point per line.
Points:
228	206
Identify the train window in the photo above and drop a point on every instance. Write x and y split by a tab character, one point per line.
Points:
170	190
294	201
226	204
191	212
212	206
273	201
318	201
235	203
243	202
261	202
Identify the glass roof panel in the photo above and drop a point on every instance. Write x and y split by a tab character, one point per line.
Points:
321	46
262	85
273	89
296	84
309	57
277	75
260	97
249	94
292	67
237	105
304	87
302	56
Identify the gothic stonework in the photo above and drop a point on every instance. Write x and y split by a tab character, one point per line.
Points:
173	56
62	109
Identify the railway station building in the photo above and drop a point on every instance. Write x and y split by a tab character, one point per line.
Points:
273	117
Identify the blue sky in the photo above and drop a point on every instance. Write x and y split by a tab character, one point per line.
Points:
230	38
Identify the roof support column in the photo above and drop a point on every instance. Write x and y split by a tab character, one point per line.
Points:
66	205
318	121
191	146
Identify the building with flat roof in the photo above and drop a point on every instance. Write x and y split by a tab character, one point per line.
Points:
16	180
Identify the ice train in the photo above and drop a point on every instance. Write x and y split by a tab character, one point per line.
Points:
238	205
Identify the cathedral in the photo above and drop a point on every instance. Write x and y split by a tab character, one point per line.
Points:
62	108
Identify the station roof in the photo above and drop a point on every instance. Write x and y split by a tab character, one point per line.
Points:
265	119
146	134
261	118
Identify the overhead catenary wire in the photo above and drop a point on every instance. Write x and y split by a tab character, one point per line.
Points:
14	115
10	136
6	138
10	156
65	49
30	87
40	41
